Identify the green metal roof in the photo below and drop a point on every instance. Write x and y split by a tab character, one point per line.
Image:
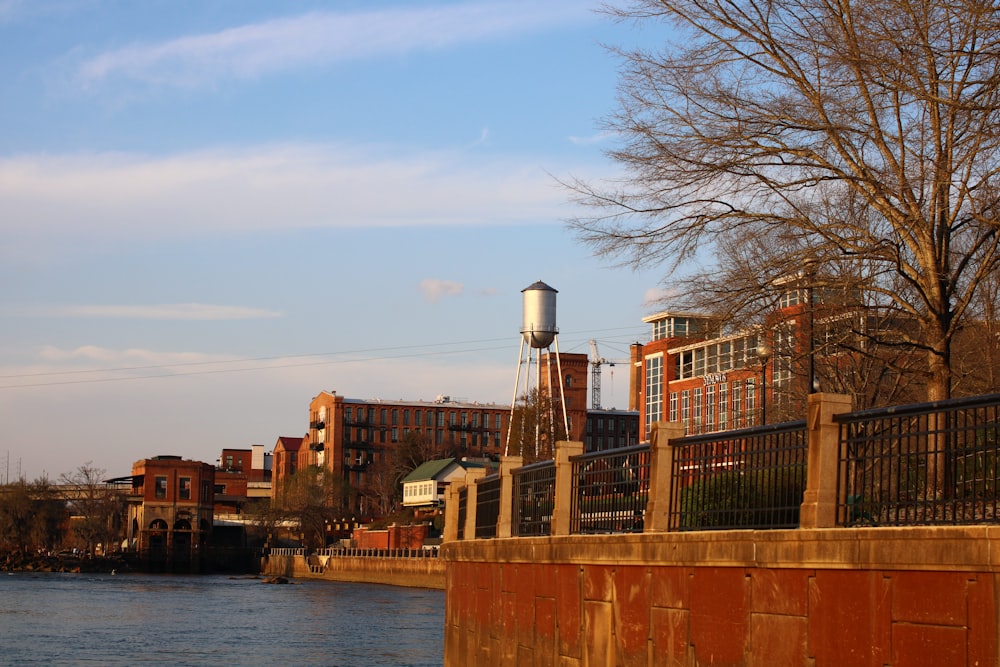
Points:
428	470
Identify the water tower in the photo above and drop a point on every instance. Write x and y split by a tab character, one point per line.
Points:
538	331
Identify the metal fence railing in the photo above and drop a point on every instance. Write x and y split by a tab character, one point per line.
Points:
750	478
487	506
534	498
463	505
925	464
610	490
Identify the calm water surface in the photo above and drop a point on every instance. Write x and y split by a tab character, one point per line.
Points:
81	619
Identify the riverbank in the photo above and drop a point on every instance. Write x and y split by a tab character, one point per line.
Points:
34	562
408	572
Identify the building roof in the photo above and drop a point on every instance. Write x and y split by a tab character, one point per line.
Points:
440	401
289	444
428	470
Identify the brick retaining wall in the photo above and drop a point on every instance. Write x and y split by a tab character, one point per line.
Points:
413	572
908	596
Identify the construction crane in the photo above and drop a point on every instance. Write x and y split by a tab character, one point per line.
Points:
596	361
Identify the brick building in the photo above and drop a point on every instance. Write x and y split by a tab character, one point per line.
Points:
351	438
241	476
691	372
170	511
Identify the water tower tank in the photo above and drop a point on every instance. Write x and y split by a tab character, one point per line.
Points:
539	322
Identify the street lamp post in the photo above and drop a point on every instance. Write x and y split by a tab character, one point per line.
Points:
763	354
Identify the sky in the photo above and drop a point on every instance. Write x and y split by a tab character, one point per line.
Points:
212	210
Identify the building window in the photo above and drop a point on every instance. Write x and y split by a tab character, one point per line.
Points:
673	406
751	399
161	486
697	406
395	417
654	390
710	407
184	488
738	405
569	380
406	417
686	406
723	405
418	418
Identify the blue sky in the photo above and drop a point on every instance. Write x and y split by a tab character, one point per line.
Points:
211	211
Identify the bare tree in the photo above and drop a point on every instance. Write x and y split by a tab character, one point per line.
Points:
30	515
866	134
96	508
535	427
314	498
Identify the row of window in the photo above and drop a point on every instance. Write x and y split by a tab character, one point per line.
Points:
717	357
362	434
420	417
421	489
183	489
716	407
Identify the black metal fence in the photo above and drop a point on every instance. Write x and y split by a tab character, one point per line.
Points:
534	498
487	506
610	490
931	463
463	509
750	478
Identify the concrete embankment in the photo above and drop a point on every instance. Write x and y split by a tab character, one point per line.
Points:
412	572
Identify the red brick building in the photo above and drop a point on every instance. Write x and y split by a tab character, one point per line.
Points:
352	437
170	510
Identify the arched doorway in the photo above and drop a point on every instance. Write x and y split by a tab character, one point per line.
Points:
157	536
182	540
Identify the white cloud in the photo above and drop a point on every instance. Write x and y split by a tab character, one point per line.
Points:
598	138
434	289
109	196
657	296
179	311
107	356
251	51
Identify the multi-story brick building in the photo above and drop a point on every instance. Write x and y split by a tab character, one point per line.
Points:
170	510
352	437
242	475
288	457
691	372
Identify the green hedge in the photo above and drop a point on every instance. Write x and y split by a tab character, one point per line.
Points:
738	499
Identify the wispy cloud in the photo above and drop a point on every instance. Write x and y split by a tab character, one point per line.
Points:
598	138
179	311
122	197
320	38
434	290
658	296
128	357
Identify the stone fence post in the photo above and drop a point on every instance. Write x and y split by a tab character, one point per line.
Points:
451	499
819	502
471	477
507	464
565	450
661	464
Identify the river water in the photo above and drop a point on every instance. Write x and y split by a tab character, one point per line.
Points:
82	619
